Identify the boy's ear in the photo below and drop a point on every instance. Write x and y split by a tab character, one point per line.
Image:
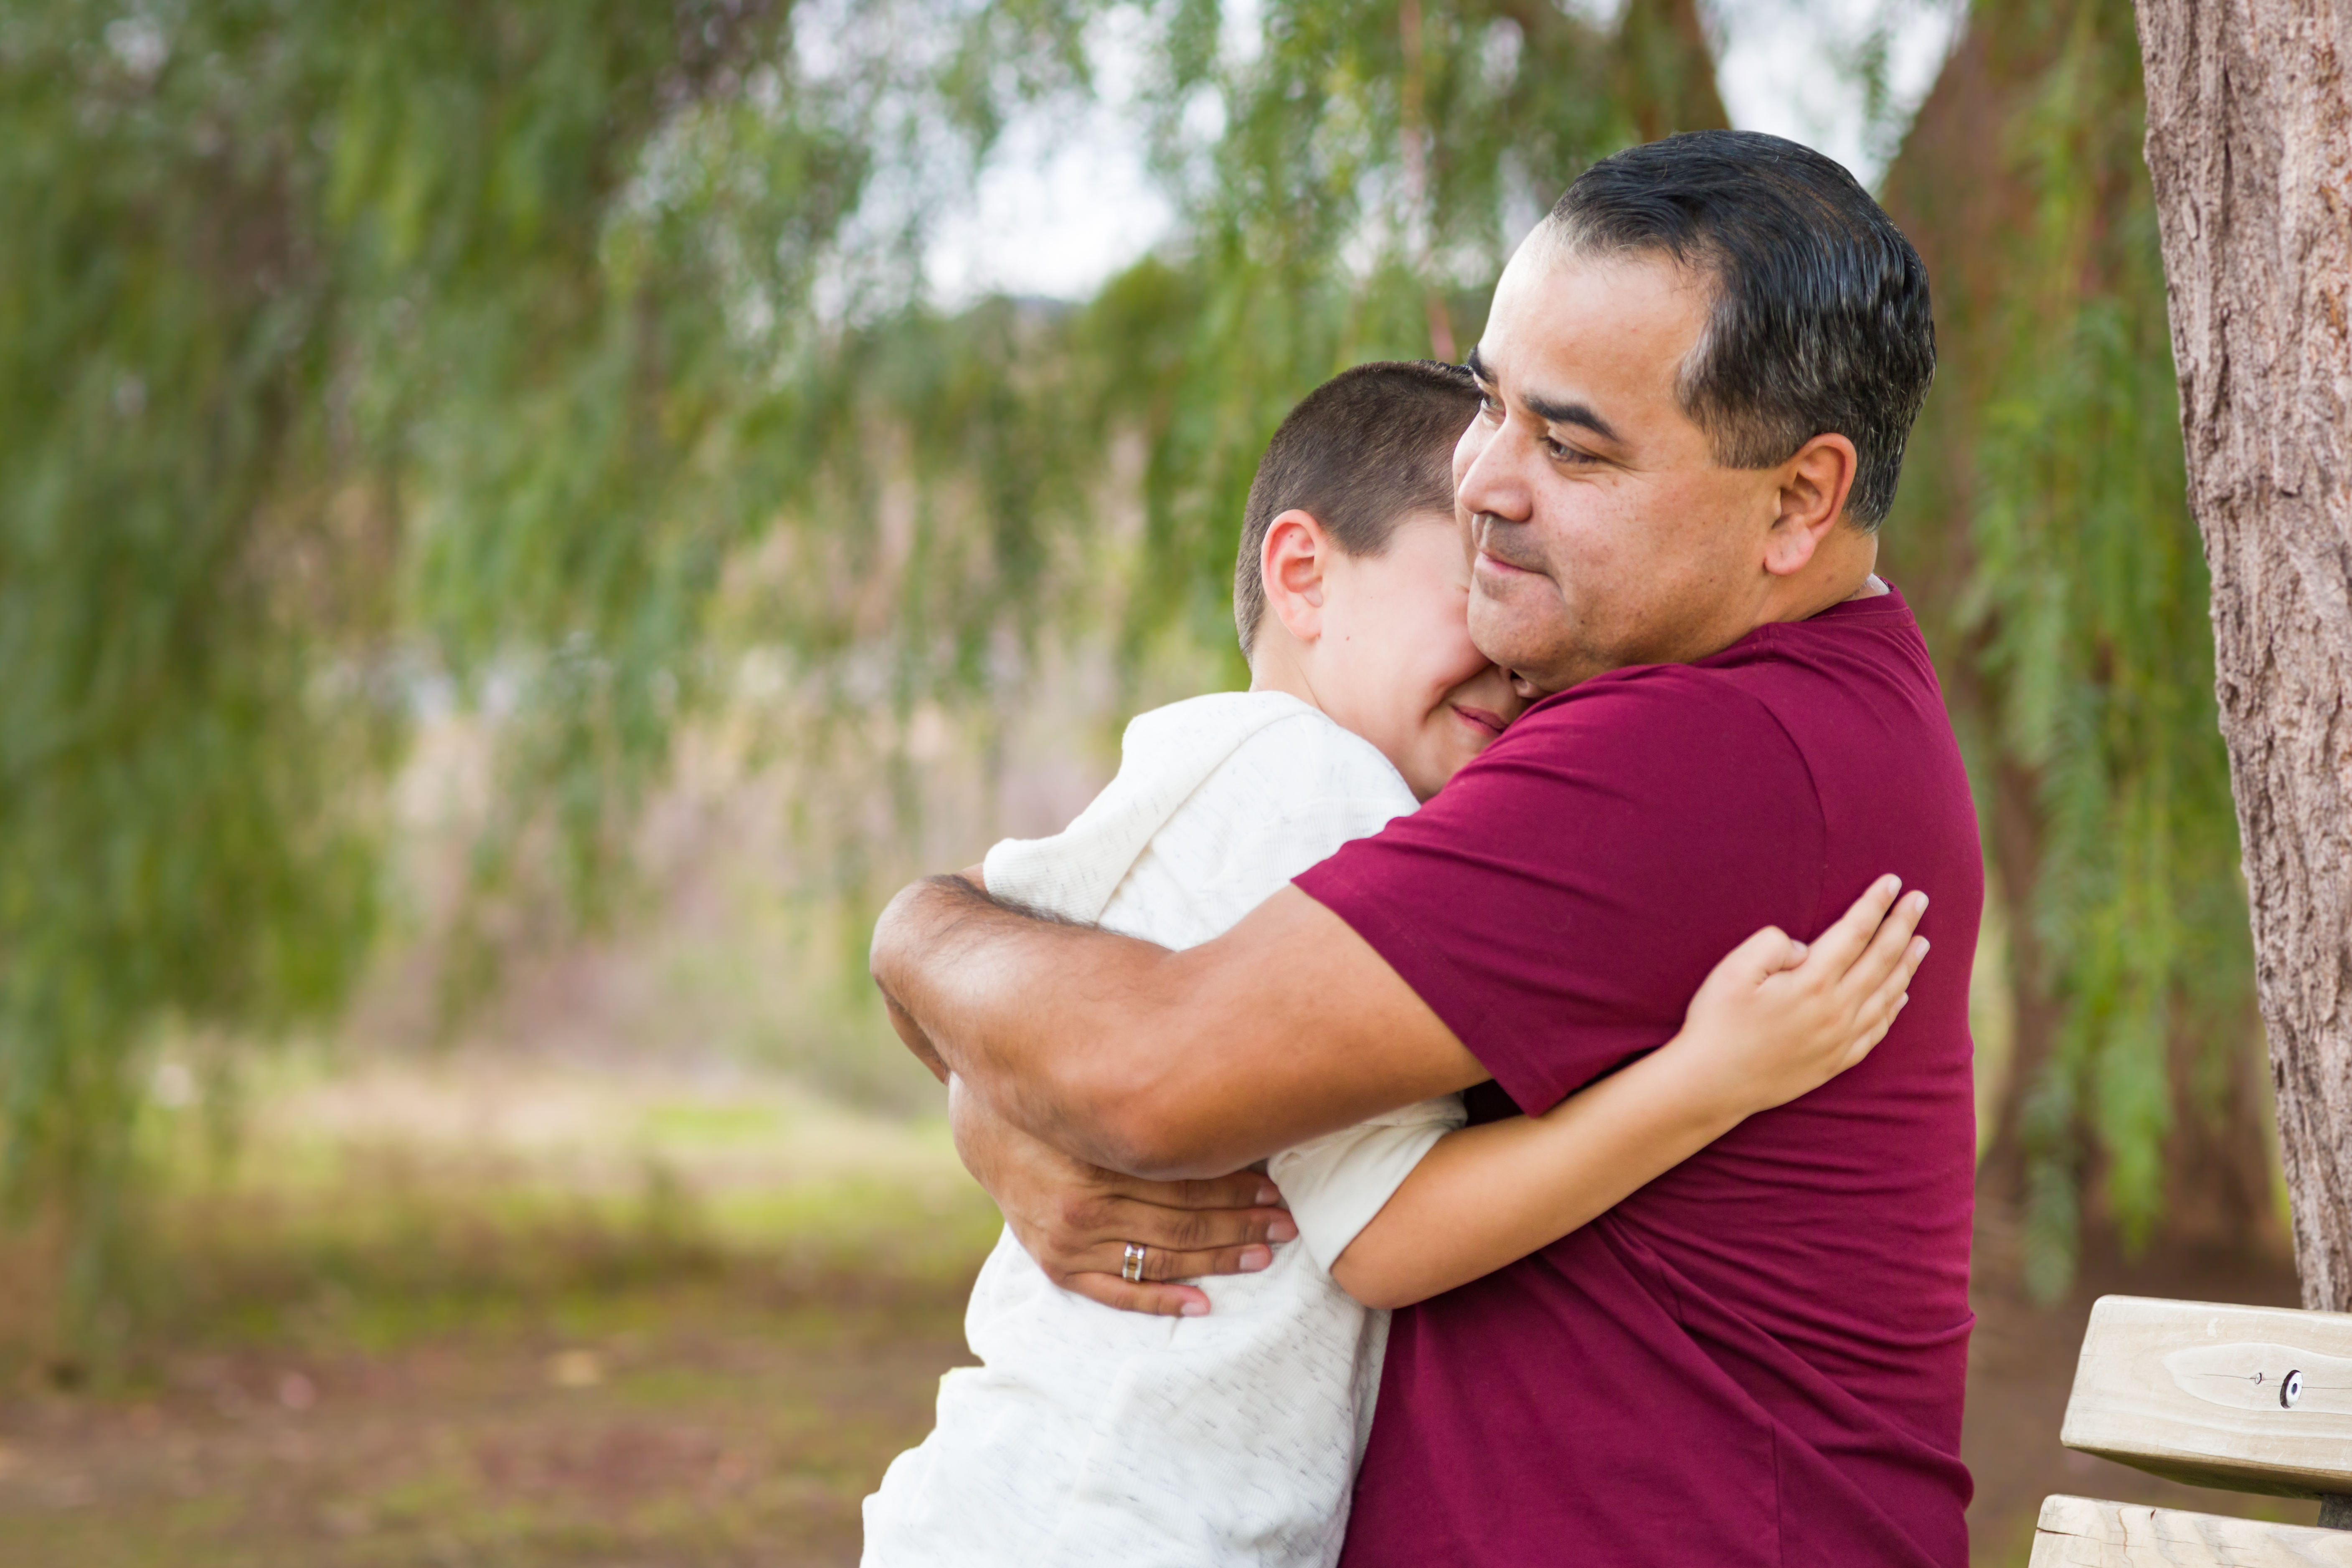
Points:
1294	561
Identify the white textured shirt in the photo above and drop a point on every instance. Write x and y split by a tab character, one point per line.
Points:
1089	1435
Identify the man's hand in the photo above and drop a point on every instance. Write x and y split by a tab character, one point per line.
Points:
1077	1220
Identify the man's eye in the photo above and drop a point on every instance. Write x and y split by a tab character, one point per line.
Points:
1560	452
1490	404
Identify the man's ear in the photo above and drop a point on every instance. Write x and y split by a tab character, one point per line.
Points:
1292	561
1813	491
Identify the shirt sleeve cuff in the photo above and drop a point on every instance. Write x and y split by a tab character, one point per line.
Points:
1335	1185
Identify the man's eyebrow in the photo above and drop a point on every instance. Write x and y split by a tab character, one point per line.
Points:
1555	412
1551	411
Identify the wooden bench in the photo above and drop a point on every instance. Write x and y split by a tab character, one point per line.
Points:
2251	1399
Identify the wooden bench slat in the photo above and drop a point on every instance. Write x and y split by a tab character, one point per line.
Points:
2082	1533
2253	1399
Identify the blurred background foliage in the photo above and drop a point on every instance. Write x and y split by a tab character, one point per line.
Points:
570	373
2045	526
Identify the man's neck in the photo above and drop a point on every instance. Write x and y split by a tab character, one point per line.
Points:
1843	568
1839	573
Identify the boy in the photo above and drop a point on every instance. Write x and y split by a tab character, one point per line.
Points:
1232	1436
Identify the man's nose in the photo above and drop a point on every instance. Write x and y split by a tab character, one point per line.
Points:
1491	486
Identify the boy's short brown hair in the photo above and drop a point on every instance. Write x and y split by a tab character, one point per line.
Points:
1360	454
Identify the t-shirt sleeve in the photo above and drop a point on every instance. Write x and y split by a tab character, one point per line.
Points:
1020	871
1559	901
1334	1185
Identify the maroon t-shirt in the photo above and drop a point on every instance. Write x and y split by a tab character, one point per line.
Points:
1759	1358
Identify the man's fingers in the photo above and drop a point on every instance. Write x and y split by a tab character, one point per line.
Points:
1162	1264
1242	1189
1093	1233
1835	949
1156	1301
1191	1230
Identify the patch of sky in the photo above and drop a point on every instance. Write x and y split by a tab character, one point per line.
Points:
1069	196
1843	76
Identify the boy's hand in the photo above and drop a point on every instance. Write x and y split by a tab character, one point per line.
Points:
1777	1019
1077	1220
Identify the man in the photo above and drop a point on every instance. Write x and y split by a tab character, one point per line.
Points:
1697	377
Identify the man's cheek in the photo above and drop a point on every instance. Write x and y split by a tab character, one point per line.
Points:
1494	625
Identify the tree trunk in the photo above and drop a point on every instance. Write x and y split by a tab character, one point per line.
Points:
1665	70
2250	143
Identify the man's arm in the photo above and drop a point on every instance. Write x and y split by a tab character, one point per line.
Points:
911	1034
1163	1064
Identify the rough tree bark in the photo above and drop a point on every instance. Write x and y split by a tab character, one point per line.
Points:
2250	143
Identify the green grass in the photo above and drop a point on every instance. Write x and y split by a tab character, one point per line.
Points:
736	1431
454	1315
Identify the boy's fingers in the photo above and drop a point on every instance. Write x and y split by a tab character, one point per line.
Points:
1876	1015
1887	1001
1868	1040
1764	954
1885	951
1835	949
1915	953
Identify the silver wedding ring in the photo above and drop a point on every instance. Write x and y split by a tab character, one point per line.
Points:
1131	1269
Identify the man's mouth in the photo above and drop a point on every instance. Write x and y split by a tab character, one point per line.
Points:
1489	533
1480	719
1501	565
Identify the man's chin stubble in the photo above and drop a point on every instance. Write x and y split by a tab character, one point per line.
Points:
1533	665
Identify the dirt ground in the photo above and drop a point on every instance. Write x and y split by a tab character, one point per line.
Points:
695	1427
731	1423
583	1320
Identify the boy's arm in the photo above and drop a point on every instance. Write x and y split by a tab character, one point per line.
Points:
1773	1022
1488	1196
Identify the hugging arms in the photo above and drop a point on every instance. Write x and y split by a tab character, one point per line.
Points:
1109	1117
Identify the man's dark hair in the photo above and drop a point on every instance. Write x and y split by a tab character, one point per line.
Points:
1820	322
1360	454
